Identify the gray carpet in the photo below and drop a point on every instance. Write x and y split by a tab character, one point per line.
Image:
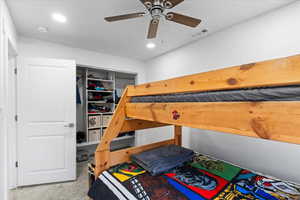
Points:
62	191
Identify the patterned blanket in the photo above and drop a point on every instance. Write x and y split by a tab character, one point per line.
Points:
202	179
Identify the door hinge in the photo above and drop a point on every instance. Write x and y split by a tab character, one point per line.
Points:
17	164
16	71
16	118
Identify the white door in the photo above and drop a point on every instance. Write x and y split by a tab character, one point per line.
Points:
46	121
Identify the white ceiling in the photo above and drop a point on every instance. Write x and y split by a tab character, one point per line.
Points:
87	29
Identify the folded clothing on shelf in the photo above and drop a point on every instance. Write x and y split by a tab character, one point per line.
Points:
94	108
95	97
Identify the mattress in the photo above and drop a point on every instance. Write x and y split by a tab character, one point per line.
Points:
204	178
286	93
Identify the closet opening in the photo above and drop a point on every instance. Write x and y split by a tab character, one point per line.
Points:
98	93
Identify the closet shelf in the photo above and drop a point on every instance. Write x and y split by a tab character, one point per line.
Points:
102	80
100	91
99	102
105	113
98	127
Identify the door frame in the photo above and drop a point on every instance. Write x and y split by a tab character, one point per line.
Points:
8	105
12	116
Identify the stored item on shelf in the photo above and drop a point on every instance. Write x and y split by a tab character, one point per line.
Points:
94	135
94	97
109	99
80	137
91	86
106	119
94	121
99	88
93	108
95	85
96	75
108	86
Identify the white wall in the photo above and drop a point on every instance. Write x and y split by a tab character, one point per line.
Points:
273	35
36	48
8	35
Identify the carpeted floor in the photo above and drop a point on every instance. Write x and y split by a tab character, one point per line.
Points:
62	191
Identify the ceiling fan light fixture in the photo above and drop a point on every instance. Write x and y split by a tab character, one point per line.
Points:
151	45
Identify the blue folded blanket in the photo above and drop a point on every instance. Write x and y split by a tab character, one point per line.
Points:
163	159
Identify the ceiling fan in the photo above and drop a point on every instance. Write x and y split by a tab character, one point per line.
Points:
156	9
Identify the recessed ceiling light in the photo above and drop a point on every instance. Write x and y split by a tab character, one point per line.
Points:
42	29
59	17
151	45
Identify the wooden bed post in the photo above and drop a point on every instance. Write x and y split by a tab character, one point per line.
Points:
178	135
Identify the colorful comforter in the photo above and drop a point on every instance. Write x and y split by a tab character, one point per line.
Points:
202	179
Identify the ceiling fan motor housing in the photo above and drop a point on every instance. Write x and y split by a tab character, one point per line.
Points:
156	11
158	7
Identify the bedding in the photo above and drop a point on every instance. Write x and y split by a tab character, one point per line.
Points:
201	179
163	159
285	93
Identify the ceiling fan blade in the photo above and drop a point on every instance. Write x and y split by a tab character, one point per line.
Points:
148	3
123	17
182	19
172	3
153	27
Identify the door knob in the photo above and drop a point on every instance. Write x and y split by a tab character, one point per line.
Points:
70	125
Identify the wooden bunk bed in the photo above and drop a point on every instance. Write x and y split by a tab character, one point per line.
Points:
272	120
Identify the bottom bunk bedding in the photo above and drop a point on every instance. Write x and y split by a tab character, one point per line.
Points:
202	179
